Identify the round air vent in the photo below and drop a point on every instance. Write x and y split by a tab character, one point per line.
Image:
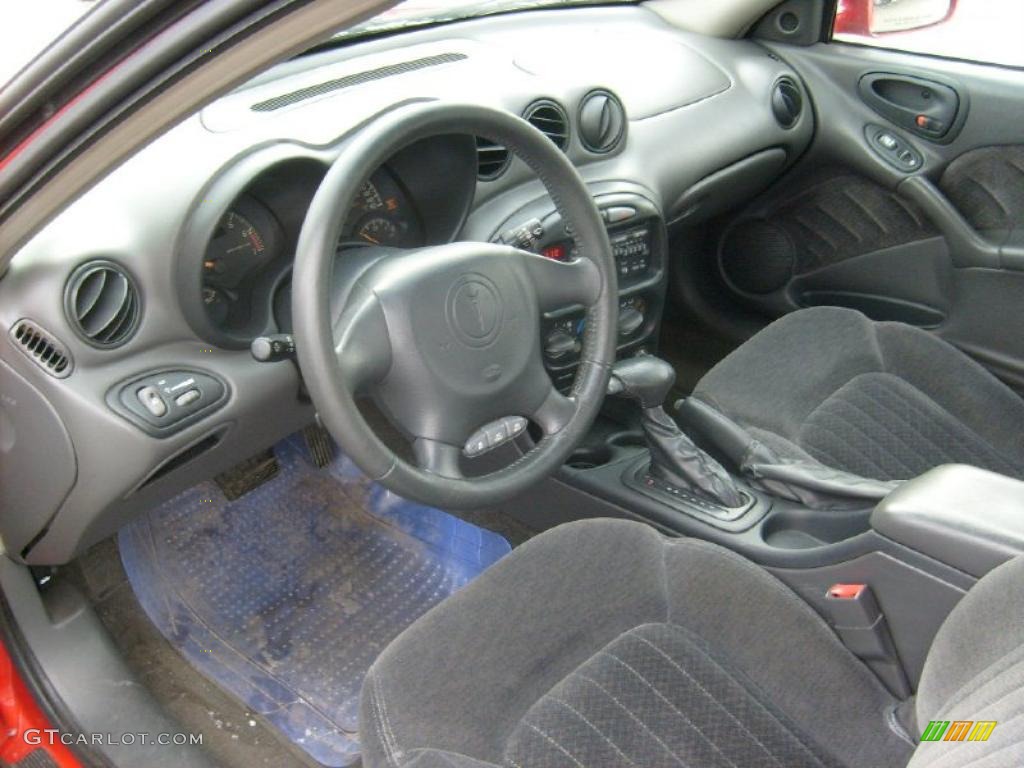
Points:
550	119
491	159
602	121
102	303
787	102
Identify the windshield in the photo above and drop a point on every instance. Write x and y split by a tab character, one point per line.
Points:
30	27
412	13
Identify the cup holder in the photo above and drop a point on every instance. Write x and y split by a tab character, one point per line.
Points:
612	448
590	457
628	440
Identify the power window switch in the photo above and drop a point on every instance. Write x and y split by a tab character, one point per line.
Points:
187	398
152	401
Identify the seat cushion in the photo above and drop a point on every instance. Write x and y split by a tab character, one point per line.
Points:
884	401
975	672
658	696
719	641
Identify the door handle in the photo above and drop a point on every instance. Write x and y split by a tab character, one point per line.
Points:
924	107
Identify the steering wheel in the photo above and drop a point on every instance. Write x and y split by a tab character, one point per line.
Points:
447	339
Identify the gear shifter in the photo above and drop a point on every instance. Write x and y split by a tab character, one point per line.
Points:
675	458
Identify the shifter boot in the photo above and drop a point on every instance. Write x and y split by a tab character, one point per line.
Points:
677	460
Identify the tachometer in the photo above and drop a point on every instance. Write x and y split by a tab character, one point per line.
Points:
245	241
237	247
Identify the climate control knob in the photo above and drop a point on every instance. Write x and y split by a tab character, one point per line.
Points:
559	343
630	321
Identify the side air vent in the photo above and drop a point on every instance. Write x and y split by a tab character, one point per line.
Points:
602	121
491	159
42	348
312	91
787	102
550	119
102	303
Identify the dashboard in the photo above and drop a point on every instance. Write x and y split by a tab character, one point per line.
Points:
125	367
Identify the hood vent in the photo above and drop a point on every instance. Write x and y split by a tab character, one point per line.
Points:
787	102
491	159
42	348
602	121
358	78
102	303
550	119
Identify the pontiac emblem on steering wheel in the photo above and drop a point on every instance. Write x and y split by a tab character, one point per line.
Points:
474	310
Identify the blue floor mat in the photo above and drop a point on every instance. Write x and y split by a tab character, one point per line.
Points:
286	596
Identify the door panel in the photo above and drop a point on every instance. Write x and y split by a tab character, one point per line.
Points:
846	227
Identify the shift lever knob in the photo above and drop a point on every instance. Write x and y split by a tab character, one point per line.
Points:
646	379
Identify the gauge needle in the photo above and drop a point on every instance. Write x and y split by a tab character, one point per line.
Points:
370	239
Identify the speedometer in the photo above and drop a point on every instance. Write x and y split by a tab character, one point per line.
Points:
382	214
378	230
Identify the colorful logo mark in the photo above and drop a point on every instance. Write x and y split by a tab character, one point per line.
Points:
958	730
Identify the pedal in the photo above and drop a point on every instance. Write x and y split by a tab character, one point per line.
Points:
248	475
319	444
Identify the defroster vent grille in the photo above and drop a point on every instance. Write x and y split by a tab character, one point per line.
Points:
312	91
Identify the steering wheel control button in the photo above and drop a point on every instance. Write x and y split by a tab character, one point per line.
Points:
515	425
187	398
164	402
497	434
494	434
476	445
151	400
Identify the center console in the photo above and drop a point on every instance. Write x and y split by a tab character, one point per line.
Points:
884	573
637	234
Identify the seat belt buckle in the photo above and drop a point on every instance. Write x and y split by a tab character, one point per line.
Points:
859	622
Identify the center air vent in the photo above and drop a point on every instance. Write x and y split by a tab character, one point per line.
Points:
491	159
602	121
102	303
550	119
787	102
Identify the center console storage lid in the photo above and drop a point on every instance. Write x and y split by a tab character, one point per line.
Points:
963	516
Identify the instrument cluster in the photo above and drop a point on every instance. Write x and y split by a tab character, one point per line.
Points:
250	248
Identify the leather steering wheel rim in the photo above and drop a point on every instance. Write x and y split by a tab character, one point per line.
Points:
360	340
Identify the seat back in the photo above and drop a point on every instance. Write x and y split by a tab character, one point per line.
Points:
974	677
